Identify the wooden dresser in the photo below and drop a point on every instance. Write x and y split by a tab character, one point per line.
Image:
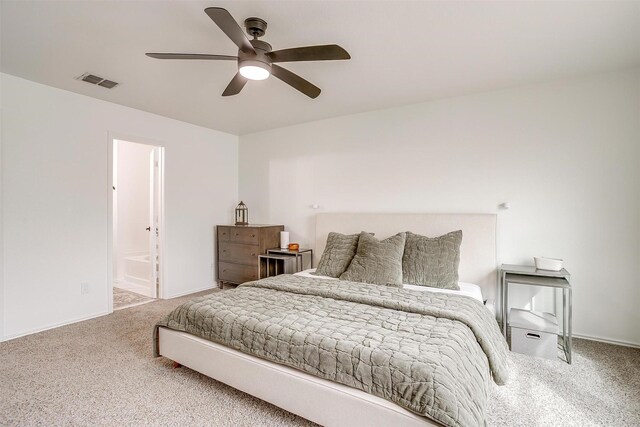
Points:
238	247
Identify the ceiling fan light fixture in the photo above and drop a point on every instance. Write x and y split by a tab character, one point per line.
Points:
254	70
256	58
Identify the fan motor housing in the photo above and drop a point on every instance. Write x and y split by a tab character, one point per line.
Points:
260	45
261	48
251	59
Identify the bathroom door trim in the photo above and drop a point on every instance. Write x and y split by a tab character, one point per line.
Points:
156	197
162	241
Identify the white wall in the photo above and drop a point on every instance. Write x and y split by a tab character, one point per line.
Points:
133	189
54	167
565	154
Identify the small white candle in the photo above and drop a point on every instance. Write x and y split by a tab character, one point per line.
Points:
284	239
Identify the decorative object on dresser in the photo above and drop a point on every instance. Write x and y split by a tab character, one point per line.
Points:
242	214
532	276
238	248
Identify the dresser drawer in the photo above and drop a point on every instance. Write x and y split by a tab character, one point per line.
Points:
224	233
249	236
238	253
237	273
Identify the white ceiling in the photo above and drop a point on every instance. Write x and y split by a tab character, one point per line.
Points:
402	52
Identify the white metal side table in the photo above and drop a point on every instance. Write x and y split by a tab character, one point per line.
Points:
531	276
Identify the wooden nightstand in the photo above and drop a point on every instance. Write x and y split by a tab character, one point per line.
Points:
238	248
531	276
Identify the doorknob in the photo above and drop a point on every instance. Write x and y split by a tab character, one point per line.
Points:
148	228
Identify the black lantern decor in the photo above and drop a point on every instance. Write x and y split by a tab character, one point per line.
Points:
242	214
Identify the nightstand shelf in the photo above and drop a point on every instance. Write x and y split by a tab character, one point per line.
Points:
531	276
284	261
299	255
273	265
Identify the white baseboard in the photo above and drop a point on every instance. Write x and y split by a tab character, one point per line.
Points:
206	288
135	304
54	325
606	340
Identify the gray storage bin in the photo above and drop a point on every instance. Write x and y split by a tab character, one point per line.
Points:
534	333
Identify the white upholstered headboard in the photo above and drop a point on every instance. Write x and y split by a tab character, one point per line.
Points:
477	252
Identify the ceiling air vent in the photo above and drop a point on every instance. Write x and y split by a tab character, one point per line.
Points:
108	84
96	80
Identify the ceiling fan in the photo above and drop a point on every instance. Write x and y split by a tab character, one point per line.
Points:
256	60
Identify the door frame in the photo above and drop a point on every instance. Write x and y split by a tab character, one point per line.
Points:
112	137
156	198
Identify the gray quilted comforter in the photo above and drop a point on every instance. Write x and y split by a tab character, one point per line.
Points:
431	353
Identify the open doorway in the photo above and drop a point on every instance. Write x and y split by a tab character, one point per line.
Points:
136	218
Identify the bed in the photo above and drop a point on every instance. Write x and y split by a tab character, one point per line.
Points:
334	400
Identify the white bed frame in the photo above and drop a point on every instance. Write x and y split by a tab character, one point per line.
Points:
325	402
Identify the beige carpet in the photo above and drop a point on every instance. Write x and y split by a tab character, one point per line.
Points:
101	373
124	299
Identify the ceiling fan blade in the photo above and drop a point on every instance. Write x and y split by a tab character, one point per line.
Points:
295	81
235	85
230	27
327	52
191	56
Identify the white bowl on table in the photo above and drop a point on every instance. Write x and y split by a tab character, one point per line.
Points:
551	264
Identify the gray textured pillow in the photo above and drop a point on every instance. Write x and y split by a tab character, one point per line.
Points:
376	261
432	261
337	254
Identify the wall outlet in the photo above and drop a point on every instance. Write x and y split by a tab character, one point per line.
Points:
84	288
